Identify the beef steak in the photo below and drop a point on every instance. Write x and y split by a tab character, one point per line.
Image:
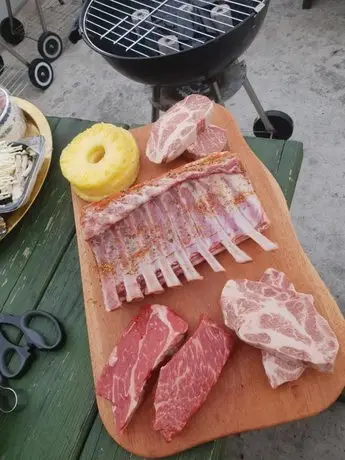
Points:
185	382
155	333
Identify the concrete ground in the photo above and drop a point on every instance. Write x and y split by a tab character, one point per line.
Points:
296	64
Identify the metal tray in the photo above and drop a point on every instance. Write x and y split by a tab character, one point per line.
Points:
37	124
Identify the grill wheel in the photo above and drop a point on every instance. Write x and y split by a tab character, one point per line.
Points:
41	73
281	122
50	46
15	36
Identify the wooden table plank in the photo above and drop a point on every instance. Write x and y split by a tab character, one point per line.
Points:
29	254
268	150
289	167
61	403
283	159
100	446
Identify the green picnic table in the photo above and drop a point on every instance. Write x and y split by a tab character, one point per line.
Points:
39	268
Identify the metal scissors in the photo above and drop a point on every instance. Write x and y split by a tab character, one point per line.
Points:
25	353
10	400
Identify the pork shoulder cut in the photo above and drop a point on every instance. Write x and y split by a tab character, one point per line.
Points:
178	128
271	315
212	139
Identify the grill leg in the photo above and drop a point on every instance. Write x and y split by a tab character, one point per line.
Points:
257	104
216	92
156	96
307	4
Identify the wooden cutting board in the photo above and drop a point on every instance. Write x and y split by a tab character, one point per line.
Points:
242	399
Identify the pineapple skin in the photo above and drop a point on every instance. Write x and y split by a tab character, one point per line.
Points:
101	161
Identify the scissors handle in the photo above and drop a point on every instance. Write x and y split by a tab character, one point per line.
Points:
23	354
34	338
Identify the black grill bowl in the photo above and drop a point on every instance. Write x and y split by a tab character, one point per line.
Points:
200	63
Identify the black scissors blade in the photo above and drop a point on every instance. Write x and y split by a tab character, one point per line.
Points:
11	400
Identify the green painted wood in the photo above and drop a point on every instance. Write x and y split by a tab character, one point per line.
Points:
283	159
40	265
100	446
268	150
36	245
289	168
61	402
29	254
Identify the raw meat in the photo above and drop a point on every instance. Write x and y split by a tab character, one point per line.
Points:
185	382
153	335
213	139
146	237
270	314
178	128
278	369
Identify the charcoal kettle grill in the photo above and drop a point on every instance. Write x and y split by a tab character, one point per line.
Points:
165	43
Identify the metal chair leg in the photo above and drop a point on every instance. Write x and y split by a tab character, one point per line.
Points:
258	107
14	53
41	15
10	16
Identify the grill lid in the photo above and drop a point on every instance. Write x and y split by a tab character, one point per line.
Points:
151	28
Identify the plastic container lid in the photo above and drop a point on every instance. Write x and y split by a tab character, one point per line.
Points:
37	145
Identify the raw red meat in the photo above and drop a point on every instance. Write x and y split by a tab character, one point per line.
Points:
270	314
178	128
213	139
185	382
146	237
151	336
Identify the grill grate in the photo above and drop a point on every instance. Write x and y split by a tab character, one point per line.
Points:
149	28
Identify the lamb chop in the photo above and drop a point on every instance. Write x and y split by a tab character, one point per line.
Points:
146	237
